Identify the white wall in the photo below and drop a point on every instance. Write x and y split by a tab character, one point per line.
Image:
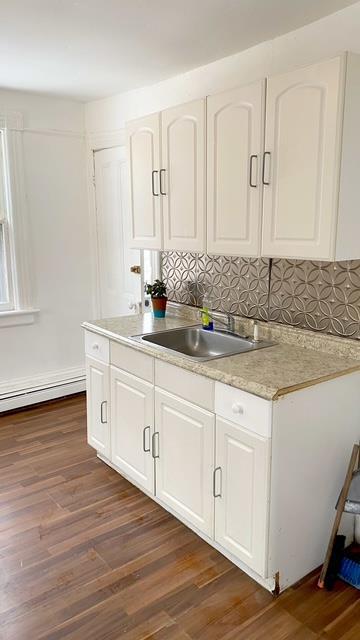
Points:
321	39
55	179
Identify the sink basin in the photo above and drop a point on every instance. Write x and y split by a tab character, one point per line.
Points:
199	344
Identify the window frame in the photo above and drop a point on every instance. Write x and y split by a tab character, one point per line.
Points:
5	225
19	309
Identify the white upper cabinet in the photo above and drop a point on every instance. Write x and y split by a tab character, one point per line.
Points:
228	188
234	156
182	178
143	146
311	143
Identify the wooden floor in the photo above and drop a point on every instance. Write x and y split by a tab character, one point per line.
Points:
85	555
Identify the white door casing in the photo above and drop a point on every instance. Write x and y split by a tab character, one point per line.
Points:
119	289
302	151
235	126
183	158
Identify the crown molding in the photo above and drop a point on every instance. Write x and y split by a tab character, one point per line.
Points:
105	139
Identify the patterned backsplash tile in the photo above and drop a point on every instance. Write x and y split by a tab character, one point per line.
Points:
236	285
322	296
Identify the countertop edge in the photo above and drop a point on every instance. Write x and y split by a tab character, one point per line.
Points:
257	389
311	383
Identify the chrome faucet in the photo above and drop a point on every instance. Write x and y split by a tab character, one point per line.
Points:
229	323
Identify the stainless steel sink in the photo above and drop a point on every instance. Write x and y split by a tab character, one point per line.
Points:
199	344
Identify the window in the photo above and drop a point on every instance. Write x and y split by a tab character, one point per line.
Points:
15	272
6	288
151	271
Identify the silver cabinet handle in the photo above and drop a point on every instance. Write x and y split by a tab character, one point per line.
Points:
103	404
217	495
252	158
162	171
153	183
153	447
145	448
266	154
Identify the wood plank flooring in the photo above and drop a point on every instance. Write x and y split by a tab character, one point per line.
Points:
84	555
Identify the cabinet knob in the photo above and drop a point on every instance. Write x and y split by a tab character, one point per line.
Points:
237	408
95	346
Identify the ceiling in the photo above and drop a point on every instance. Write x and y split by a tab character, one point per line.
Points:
88	49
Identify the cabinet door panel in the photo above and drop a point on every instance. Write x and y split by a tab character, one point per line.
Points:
302	127
183	158
241	513
132	415
235	124
186	458
97	401
143	146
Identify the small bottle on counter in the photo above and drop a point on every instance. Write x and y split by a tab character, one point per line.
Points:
206	320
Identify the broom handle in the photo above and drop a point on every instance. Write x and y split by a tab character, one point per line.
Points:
339	512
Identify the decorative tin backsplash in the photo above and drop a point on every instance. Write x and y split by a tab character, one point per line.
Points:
322	296
236	285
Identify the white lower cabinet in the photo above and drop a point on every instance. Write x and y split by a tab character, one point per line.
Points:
209	471
132	427
241	483
242	471
97	405
184	452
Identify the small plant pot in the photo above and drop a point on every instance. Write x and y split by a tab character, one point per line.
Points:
159	307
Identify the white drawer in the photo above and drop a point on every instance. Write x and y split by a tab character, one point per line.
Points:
133	361
244	409
189	386
97	346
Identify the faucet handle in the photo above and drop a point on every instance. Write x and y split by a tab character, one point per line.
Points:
256	336
230	321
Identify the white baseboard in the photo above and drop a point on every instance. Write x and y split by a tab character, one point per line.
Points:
34	397
40	388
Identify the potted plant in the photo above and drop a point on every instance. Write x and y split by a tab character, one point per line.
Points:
157	291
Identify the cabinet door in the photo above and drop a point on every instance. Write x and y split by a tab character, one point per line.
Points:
184	444
183	176
132	415
143	147
97	404
301	172
235	125
241	484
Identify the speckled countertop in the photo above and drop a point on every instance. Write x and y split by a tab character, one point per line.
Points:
268	373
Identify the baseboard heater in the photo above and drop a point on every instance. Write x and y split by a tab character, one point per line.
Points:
33	395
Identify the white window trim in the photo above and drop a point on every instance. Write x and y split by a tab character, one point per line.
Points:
7	306
17	317
22	311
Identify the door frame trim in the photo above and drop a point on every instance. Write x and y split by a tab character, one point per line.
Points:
97	141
